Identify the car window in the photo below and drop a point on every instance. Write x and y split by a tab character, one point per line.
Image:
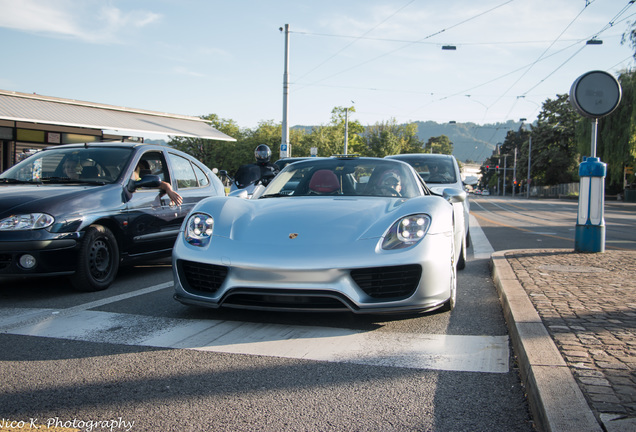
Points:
348	177
432	169
154	165
183	172
84	164
201	177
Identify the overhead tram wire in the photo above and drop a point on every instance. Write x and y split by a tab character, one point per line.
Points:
411	43
468	90
422	41
355	40
606	27
543	53
542	58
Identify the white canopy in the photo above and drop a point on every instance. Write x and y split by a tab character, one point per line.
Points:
35	108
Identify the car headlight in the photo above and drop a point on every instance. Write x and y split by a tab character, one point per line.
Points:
406	232
23	222
198	229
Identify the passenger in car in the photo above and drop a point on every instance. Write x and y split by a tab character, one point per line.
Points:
165	187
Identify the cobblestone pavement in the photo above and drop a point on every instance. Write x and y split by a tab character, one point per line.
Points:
587	302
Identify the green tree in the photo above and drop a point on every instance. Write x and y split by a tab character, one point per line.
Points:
329	139
214	154
555	155
616	137
440	144
389	138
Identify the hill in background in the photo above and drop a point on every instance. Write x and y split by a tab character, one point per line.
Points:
471	142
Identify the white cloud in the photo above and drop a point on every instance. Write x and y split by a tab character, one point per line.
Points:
180	70
86	20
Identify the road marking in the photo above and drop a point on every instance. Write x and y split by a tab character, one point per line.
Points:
482	248
120	297
464	353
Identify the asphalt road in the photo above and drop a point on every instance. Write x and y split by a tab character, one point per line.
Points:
547	224
134	359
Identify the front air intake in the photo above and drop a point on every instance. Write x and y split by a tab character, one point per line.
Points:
395	282
199	277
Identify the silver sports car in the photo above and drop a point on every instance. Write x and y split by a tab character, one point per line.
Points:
364	235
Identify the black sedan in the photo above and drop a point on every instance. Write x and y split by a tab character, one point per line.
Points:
83	209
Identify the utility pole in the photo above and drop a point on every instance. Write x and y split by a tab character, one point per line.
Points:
529	165
498	178
346	133
285	146
514	175
521	128
504	178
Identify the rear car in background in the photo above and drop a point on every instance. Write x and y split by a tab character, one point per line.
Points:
441	171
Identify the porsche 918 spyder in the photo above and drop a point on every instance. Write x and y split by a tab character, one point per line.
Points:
364	235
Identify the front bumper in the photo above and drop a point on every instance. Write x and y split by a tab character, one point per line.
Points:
286	280
53	256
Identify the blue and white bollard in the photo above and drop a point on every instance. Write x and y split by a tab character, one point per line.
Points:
590	225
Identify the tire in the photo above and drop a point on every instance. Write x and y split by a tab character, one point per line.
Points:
452	300
461	260
98	260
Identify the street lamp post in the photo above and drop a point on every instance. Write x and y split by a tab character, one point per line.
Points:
522	120
285	146
504	176
514	174
346	132
529	165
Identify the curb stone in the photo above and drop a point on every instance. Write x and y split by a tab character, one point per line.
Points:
555	399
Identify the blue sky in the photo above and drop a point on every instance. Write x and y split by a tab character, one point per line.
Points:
385	58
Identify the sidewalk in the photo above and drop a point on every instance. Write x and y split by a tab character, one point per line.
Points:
572	322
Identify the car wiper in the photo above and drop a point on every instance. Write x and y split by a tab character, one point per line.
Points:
59	180
276	195
70	180
16	181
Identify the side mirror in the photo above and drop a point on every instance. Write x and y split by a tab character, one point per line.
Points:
239	193
453	195
149	181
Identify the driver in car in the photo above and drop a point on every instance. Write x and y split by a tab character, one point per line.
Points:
70	168
391	184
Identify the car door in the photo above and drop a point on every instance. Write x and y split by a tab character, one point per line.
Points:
192	181
153	222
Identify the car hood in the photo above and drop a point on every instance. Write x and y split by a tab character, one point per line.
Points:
52	199
315	220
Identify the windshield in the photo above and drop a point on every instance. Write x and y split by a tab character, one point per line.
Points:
246	175
70	165
345	177
432	169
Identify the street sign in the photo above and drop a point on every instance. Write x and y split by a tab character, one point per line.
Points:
595	94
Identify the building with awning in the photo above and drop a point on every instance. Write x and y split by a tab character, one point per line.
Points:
31	122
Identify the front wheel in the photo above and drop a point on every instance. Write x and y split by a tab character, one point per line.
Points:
98	260
449	305
461	259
